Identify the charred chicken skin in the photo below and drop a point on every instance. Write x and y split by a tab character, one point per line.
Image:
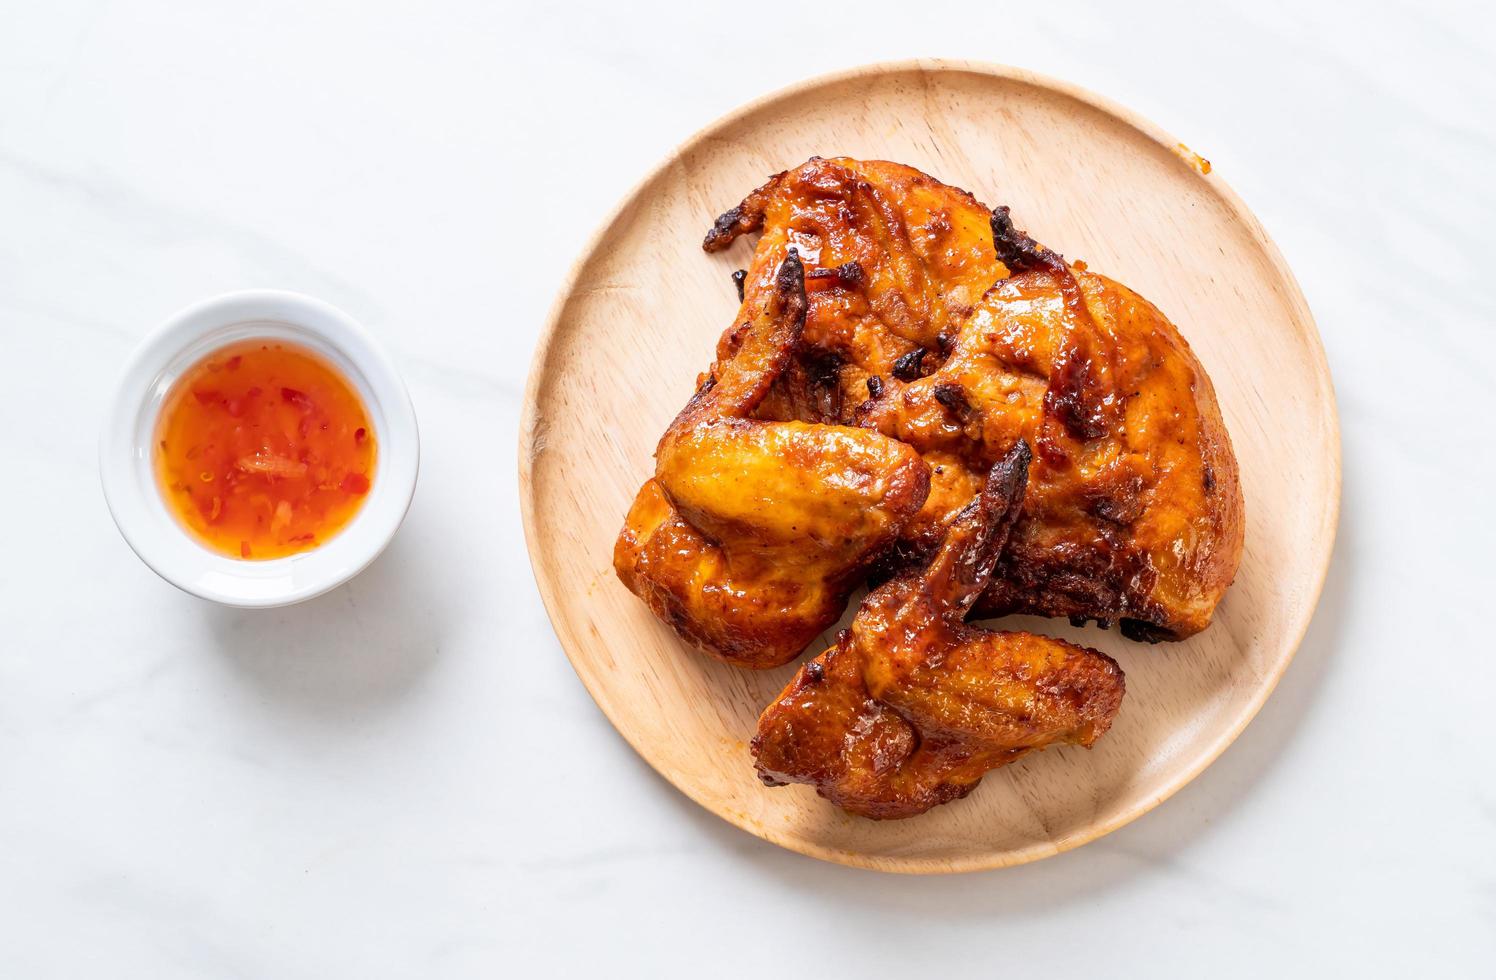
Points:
912	706
896	260
752	533
935	321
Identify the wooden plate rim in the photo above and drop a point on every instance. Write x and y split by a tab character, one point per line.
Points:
1303	321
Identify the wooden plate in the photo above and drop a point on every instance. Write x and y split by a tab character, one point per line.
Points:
638	320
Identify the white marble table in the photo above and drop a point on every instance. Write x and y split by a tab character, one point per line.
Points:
404	778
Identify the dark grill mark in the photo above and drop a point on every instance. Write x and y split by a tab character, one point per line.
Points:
907	368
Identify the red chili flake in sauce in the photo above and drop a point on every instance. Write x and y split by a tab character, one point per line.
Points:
297	398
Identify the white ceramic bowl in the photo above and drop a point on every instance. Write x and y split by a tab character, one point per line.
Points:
126	466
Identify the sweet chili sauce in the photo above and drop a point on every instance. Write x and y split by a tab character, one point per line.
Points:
263	449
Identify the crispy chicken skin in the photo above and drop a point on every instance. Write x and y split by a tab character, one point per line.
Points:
935	321
895	261
911	706
752	533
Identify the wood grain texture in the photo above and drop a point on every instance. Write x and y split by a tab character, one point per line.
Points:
644	306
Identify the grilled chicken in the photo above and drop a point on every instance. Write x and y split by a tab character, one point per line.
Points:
752	533
912	706
934	320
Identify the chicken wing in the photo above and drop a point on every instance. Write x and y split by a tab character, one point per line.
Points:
1135	513
752	533
912	706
